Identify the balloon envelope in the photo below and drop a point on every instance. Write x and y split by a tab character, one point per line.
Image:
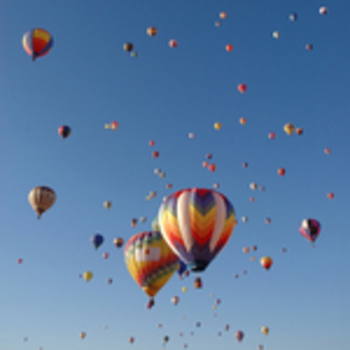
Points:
196	223
41	198
310	229
37	42
97	240
150	261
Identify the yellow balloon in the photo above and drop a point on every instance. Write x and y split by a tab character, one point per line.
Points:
88	276
184	289
82	335
107	204
289	128
265	330
217	126
107	126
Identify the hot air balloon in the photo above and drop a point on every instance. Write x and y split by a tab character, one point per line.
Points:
289	128
20	260
82	335
37	42
323	10
276	34
152	31
107	204
330	195
281	171
266	262
293	17
242	88
229	47
217	126
265	330
41	198
150	261
128	47
114	125
212	167
118	242
105	255
239	335
88	276
198	283
173	43
196	223
223	15
309	47
243	121
175	300
310	229
64	131
299	131
97	240
272	135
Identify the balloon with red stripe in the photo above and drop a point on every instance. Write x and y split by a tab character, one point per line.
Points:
37	42
196	224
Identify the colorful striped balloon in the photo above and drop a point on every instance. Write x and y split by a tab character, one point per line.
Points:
37	42
150	261
196	224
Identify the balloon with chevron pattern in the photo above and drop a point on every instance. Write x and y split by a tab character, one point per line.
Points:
196	224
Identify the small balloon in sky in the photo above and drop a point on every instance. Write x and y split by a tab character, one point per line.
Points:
41	198
244	219
82	335
173	43
175	300
245	165
152	31
239	335
217	126
252	199
19	261
281	171
134	54
205	164
118	242
217	24
327	151
299	131
293	17
114	125
88	276
309	47
242	88
105	255
272	135
243	121
191	135
151	143
267	221
245	250
107	126
128	47
107	204
212	167
155	154
97	240
330	195
223	15
289	128
253	186
266	262
276	34
37	42
229	47
64	131
323	10
265	330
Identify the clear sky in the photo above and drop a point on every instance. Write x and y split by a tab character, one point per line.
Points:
163	94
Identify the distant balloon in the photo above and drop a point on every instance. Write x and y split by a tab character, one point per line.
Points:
88	276
266	262
323	10
243	121
330	195
118	242
212	167
299	131
114	125
64	131
173	43
293	17
272	135
198	283
217	126
327	151
107	204
20	260
109	281
152	31
223	15
310	229
128	47
245	250
289	128
155	154
105	255
309	47
97	240
175	300
276	34
281	171
82	335
239	335
242	88
37	42
151	143
265	330
229	47
41	198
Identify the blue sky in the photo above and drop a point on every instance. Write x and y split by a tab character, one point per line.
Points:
86	81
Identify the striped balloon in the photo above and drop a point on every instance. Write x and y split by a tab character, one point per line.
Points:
37	42
41	198
150	261
310	229
196	223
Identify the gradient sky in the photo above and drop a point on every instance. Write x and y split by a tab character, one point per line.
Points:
86	81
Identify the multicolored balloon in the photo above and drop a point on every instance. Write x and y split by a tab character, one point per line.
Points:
150	261
64	131
196	224
310	229
37	42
